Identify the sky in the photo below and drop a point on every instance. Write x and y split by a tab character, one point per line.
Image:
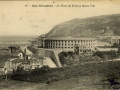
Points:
17	19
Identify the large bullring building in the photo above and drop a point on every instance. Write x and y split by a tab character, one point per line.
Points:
71	36
82	45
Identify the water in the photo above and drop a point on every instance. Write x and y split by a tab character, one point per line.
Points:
15	40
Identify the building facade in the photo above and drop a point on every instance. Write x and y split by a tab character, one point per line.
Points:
109	37
70	43
114	39
3	65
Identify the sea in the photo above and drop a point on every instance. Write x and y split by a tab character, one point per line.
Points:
20	40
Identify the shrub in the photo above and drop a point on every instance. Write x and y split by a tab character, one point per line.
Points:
106	69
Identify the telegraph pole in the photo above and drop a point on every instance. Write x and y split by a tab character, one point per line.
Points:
25	54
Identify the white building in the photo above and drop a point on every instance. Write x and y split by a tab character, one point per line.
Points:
69	43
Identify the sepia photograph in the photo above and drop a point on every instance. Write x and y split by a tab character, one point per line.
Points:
60	45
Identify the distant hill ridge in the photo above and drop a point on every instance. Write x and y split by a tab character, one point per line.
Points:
87	27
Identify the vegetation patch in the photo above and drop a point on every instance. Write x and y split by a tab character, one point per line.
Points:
109	70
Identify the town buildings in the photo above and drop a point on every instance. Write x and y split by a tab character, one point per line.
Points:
109	37
34	63
26	60
31	61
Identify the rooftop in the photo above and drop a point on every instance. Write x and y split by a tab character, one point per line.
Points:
69	38
17	60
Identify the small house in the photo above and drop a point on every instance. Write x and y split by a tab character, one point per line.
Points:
3	65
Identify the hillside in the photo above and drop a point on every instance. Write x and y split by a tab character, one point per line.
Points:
87	27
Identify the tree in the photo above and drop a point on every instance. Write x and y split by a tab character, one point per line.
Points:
116	45
19	69
66	58
11	48
62	58
118	51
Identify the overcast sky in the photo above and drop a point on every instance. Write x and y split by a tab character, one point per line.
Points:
16	19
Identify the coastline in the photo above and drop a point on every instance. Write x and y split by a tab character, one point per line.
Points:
20	40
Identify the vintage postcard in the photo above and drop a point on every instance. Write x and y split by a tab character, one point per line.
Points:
60	45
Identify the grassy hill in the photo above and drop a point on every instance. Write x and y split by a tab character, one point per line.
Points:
89	76
87	27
